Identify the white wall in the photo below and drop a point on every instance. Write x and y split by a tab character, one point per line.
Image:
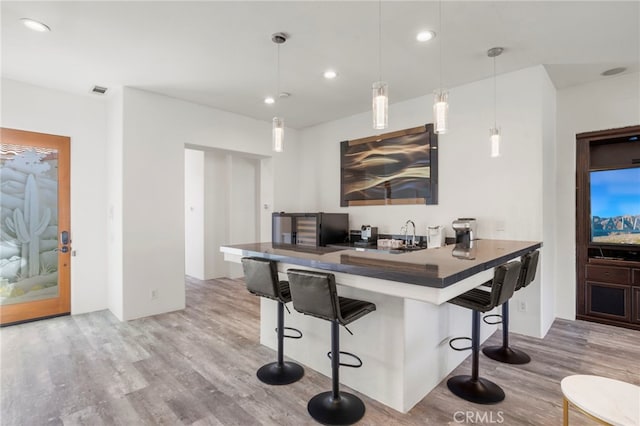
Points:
604	104
155	131
548	261
243	215
217	207
114	203
505	194
194	213
83	119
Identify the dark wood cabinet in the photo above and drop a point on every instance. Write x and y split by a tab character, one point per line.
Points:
635	302
610	301
607	276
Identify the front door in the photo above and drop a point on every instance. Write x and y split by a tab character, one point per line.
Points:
35	236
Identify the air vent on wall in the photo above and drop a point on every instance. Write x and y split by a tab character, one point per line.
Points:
99	90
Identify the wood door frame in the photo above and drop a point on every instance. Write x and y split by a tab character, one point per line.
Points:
27	311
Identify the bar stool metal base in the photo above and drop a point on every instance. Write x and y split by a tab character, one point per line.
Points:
507	355
275	374
347	409
480	391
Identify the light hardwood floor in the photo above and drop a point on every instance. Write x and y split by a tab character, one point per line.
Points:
197	366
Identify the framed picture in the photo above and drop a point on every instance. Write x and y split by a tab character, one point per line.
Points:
395	168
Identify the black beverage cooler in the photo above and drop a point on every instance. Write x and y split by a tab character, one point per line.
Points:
309	229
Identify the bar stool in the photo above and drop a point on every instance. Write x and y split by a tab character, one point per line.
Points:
314	293
474	388
261	276
505	353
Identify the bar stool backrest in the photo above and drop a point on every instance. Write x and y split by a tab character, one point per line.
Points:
314	293
504	284
261	276
529	268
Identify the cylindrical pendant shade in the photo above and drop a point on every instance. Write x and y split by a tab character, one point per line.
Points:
441	112
494	134
278	134
380	105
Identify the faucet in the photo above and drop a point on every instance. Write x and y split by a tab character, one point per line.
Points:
406	233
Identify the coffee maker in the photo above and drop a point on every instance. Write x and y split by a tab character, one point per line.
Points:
465	228
366	236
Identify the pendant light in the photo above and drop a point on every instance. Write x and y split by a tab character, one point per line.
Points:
380	89
278	122
494	132
441	98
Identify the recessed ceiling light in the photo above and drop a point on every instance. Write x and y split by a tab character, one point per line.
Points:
35	25
269	100
425	35
284	94
613	71
330	74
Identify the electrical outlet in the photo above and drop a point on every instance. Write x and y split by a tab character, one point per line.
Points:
154	294
522	306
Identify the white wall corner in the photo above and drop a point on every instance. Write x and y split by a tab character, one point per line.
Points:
114	203
550	236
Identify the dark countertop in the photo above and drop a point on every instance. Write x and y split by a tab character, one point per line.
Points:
429	267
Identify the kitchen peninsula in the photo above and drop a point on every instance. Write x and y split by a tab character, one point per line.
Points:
404	344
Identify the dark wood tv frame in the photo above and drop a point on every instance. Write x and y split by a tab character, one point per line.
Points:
613	268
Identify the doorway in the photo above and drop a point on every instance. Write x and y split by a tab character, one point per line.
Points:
35	226
222	192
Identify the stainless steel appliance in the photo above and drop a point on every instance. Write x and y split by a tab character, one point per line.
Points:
465	228
309	229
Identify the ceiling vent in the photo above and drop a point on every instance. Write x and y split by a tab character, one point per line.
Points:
99	90
613	71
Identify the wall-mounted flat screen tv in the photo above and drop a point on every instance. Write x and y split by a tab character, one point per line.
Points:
615	206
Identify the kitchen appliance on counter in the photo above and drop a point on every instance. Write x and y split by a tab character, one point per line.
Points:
435	236
309	229
465	228
368	235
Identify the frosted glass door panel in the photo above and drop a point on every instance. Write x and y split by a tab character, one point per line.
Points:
29	226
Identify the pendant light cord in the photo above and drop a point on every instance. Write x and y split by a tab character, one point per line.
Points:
440	43
380	40
278	73
495	96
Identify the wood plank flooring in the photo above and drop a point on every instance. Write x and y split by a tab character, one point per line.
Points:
197	367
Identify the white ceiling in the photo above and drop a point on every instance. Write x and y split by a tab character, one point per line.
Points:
220	53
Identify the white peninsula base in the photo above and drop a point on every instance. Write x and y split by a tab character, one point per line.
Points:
403	344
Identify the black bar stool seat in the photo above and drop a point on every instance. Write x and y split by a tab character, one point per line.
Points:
474	388
314	293
261	277
505	353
